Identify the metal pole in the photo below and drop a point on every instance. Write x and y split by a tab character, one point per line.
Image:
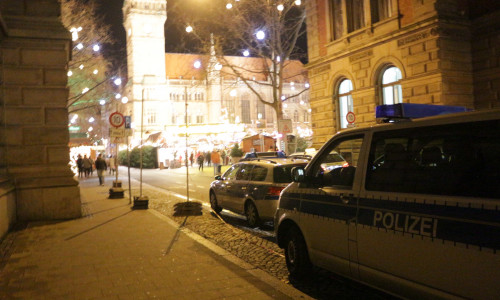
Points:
186	158
128	171
142	141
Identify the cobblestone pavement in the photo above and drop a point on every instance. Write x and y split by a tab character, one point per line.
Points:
255	247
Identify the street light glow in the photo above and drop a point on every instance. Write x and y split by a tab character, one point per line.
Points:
280	7
118	81
95	72
70	73
124	100
298	2
85	90
102	102
189	28
229	6
260	35
96	48
79	46
91	119
197	64
118	96
246	53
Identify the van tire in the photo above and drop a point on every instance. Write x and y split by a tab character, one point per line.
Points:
213	203
297	258
252	214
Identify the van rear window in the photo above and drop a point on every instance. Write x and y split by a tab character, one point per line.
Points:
457	159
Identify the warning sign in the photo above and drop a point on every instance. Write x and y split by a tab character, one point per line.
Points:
285	126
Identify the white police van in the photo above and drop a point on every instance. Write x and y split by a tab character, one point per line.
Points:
415	211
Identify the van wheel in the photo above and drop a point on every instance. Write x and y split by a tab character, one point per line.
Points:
213	203
252	215
297	258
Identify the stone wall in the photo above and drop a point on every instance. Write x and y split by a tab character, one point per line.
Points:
34	56
443	59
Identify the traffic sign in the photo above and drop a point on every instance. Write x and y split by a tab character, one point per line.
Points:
116	119
350	117
285	126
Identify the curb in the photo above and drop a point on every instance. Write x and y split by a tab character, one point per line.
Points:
255	272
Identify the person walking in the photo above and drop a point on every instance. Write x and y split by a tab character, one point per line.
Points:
215	158
191	158
79	164
208	158
87	165
200	160
112	164
100	166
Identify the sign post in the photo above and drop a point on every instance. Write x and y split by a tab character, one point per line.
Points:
285	128
351	118
116	120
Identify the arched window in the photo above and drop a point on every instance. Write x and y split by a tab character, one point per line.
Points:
391	86
345	101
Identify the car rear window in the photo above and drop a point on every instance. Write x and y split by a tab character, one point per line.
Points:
283	174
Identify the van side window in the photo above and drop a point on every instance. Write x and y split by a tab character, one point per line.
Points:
337	165
456	160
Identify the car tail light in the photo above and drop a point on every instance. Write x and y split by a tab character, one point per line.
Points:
345	165
274	190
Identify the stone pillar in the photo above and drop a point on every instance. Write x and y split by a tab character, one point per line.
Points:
34	57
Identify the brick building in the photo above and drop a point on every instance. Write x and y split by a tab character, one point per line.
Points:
36	182
364	53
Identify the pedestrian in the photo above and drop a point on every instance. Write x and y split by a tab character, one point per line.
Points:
79	164
223	157
87	165
100	166
191	158
200	160
215	158
208	158
112	164
91	166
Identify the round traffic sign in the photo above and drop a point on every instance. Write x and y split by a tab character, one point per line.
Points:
116	119
350	117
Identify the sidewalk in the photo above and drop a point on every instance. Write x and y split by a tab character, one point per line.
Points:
114	252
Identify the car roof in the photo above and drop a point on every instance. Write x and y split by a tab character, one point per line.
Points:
275	161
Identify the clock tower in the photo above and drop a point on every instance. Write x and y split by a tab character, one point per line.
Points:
144	22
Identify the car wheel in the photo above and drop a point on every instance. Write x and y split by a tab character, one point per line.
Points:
296	256
213	203
252	214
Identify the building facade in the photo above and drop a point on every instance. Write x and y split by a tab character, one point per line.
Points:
364	53
36	182
164	88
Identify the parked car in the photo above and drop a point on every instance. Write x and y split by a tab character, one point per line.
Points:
252	188
415	212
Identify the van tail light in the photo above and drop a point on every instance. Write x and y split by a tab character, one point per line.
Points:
274	190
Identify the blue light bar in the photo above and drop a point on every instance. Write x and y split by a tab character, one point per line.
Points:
412	110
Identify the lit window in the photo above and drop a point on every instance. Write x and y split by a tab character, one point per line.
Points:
345	101
391	86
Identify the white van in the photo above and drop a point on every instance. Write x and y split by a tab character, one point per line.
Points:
415	211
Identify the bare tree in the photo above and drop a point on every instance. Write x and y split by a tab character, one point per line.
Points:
89	78
268	29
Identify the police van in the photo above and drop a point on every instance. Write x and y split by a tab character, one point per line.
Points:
414	211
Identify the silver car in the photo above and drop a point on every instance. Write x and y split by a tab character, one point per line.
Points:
252	188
